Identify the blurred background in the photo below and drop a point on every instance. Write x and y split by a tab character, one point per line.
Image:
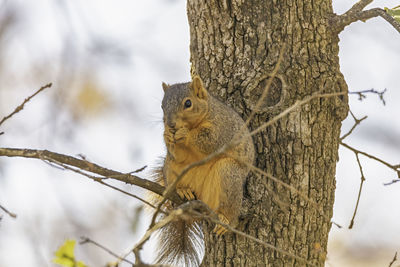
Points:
106	60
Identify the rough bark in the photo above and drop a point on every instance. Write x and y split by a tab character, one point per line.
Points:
235	44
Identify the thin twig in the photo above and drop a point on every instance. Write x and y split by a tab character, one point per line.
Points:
267	86
11	214
139	170
359	191
337	225
97	179
20	107
291	188
356	123
394	259
361	94
391	182
296	105
85	240
396	168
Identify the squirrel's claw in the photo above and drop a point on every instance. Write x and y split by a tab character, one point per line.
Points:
219	229
185	193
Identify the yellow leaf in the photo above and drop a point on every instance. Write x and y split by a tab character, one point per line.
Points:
65	255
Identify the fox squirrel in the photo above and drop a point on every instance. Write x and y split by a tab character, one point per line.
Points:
195	125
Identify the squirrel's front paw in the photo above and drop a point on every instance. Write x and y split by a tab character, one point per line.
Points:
185	193
169	137
181	134
219	229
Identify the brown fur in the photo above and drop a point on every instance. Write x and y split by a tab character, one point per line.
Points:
196	125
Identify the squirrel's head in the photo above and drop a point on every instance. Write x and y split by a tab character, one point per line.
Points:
184	104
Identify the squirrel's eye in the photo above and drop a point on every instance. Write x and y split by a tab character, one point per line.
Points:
188	103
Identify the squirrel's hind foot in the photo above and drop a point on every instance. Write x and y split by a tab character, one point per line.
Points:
219	230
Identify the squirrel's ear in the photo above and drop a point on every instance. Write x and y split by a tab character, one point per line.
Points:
198	88
165	86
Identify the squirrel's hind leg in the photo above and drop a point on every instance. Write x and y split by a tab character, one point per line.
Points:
232	175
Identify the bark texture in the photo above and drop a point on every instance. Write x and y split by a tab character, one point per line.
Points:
235	44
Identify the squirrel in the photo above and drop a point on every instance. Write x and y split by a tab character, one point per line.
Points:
196	125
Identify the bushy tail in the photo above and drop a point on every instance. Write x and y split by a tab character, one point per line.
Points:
180	243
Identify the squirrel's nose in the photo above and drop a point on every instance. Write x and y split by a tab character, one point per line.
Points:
172	125
170	122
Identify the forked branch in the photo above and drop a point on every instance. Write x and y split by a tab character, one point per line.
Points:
356	13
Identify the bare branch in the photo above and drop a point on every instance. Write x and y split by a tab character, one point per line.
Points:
356	123
85	240
139	170
291	188
296	105
396	168
267	86
20	107
361	94
337	225
359	191
89	167
97	179
355	14
392	182
11	214
394	259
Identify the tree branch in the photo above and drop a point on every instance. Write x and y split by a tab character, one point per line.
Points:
89	167
100	180
359	191
361	94
396	168
85	240
392	182
393	260
356	123
356	13
11	214
20	107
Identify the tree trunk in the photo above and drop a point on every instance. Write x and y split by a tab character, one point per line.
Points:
235	45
